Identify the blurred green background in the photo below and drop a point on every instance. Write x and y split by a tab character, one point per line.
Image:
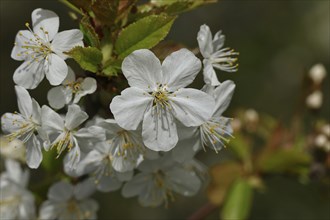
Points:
278	42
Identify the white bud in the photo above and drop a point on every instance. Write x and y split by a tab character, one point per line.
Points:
314	100
326	130
14	149
317	73
320	140
251	115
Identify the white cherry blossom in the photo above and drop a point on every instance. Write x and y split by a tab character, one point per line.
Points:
17	202
159	180
126	147
71	90
42	50
215	56
66	201
157	97
64	133
98	163
216	131
25	126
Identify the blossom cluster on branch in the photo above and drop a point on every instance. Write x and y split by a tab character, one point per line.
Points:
148	148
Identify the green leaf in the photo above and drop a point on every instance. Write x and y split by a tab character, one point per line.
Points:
89	33
144	33
284	160
238	201
241	148
89	58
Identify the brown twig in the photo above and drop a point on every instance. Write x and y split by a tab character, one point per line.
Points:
203	211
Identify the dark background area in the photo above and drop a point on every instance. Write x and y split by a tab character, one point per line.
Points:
278	42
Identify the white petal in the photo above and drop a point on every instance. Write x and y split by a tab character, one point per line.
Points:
183	182
65	41
108	184
74	117
70	78
192	107
209	74
18	52
223	95
74	156
136	185
84	189
125	176
159	130
142	69
60	192
36	111
91	161
180	69
24	101
88	86
49	210
128	108
12	122
51	121
204	39
91	134
29	74
33	152
56	69
218	41
59	96
47	20
14	171
185	150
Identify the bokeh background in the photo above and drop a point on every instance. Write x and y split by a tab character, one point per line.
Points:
278	42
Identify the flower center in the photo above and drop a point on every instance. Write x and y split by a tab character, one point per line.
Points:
63	143
75	86
26	129
216	132
36	48
161	96
127	145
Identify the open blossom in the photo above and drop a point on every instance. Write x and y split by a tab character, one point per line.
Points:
126	148
214	55
159	180
41	48
25	125
98	163
157	97
71	90
217	130
66	201
15	200
65	133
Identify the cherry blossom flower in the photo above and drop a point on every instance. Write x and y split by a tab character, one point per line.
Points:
25	126
42	50
157	97
65	133
71	90
66	201
16	201
216	131
215	56
98	163
159	180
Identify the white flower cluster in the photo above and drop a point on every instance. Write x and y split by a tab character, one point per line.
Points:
158	127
